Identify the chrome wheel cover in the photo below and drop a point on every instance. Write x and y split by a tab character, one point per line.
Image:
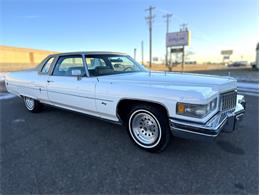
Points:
145	128
29	103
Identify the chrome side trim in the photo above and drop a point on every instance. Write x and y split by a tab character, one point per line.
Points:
79	96
95	116
84	111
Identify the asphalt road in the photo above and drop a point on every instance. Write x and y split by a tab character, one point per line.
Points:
63	152
241	74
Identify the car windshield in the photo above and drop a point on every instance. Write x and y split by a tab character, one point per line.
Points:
99	65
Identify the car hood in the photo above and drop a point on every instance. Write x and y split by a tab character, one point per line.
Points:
178	81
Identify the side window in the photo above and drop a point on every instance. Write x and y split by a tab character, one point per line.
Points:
66	65
47	65
121	63
96	66
94	62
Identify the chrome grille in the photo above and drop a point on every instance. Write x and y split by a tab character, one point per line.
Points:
228	100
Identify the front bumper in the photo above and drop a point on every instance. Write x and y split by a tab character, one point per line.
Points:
222	121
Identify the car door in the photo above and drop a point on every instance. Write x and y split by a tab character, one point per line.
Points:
105	104
40	83
75	92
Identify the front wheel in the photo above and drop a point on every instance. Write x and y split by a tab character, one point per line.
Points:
32	105
149	128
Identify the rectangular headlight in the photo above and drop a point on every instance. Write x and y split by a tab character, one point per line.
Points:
196	110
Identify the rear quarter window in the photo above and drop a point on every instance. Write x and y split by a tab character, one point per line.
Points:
46	66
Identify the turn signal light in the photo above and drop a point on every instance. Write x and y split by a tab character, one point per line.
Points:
180	108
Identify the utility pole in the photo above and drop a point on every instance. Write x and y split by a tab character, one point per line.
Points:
135	53
142	50
184	27
182	64
149	19
167	16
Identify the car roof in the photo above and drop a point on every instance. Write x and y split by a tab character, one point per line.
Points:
89	53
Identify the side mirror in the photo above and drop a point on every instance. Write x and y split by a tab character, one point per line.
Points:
76	73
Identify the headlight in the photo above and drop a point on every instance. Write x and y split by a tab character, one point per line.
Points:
196	110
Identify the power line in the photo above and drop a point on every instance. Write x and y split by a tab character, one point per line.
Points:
149	19
167	16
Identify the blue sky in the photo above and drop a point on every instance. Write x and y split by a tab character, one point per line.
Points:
116	25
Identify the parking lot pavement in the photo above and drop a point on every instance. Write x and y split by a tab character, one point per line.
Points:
58	151
248	88
241	74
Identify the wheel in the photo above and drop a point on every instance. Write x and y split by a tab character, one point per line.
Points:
149	128
32	105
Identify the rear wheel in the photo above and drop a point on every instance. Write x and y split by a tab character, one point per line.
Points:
32	105
149	128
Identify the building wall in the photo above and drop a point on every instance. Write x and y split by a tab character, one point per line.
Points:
13	58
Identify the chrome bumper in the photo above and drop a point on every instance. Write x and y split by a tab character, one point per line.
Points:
222	121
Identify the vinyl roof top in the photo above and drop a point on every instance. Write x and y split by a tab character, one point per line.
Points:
90	53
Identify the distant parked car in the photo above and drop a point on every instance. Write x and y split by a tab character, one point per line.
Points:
238	64
191	62
255	65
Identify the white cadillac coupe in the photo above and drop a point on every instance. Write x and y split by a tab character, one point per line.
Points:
113	86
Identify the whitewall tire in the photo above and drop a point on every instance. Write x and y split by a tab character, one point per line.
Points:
32	105
148	127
